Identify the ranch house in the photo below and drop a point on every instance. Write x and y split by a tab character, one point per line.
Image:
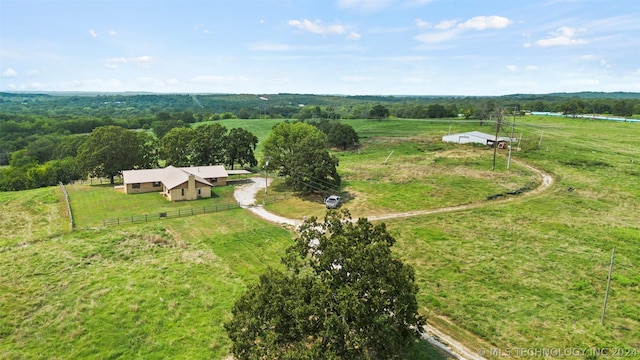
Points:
175	184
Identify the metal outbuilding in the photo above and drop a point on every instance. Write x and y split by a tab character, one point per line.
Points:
476	137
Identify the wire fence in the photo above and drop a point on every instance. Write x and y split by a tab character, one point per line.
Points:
184	212
66	197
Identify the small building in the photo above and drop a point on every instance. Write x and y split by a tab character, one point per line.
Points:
185	183
477	137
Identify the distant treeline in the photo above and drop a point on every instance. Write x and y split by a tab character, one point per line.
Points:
42	132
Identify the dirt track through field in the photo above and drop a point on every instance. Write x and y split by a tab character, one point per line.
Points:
245	195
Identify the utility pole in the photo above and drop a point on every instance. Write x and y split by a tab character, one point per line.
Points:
266	181
495	142
540	142
606	295
511	138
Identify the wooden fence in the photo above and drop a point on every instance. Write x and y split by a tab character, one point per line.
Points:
183	212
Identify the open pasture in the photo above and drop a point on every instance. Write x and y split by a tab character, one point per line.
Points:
526	273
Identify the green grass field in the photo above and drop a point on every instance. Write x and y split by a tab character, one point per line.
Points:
526	273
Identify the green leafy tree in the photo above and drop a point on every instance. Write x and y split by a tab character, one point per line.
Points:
208	144
241	145
379	111
162	127
110	149
299	153
344	295
42	149
148	151
175	147
342	136
68	146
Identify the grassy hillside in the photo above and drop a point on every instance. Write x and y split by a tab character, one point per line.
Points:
158	290
526	273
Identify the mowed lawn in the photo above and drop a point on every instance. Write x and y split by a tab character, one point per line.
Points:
91	204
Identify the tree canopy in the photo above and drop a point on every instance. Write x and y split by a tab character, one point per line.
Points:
110	149
379	111
241	145
344	295
299	152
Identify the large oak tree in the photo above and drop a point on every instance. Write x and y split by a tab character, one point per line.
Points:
241	145
344	295
110	149
299	152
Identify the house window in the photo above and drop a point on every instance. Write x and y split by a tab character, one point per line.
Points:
135	186
156	184
214	180
182	192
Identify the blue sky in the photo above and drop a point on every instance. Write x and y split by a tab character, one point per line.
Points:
388	47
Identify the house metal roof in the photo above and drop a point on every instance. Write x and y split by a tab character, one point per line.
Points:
172	176
207	172
479	135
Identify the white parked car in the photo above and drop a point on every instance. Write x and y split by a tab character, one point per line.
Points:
332	202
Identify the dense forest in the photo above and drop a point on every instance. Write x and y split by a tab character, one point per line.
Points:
40	134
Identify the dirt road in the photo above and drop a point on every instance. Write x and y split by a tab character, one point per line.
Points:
245	195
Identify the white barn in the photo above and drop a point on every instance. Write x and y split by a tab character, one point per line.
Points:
476	137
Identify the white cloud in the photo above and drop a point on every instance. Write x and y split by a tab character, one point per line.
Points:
436	37
562	37
587	58
354	36
417	3
421	23
447	24
531	67
94	84
143	62
113	33
31	86
33	73
113	62
9	73
317	27
512	68
93	33
449	29
365	5
269	47
486	22
377	5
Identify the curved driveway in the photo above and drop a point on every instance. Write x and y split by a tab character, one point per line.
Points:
245	195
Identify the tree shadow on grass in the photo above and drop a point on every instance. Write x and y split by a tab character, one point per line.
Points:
422	349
